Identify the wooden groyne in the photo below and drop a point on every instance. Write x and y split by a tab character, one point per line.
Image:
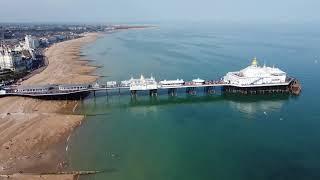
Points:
73	172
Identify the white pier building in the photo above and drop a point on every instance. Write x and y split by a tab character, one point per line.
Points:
143	84
256	75
171	83
198	81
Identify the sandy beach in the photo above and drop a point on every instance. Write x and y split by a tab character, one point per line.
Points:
33	133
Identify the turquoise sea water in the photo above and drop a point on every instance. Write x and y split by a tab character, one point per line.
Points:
202	137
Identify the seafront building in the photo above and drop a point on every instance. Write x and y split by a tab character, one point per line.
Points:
1	33
31	42
18	57
256	75
10	59
27	47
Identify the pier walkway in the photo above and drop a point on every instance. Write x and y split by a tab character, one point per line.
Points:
76	91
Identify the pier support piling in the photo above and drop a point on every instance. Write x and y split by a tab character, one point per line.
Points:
172	92
153	92
191	91
256	90
133	93
209	90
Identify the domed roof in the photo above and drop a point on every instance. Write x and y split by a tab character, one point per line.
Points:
251	71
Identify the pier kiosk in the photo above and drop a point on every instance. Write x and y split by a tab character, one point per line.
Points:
144	84
256	79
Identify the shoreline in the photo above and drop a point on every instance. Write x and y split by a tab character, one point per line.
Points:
33	133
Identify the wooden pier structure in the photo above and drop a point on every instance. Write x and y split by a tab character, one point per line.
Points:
76	92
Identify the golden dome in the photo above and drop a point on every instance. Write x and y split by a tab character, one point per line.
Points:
254	62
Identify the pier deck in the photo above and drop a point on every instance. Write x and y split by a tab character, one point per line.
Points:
53	92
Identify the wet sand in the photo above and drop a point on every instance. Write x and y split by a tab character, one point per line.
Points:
34	133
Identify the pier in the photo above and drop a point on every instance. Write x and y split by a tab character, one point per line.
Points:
77	91
253	79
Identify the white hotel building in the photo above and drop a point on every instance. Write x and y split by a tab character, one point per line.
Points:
31	42
10	59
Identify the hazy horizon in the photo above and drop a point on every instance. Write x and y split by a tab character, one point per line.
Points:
148	11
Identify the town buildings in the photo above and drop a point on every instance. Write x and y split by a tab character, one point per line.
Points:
22	45
1	33
10	59
31	42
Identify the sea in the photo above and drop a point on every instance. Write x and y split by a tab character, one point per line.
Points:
201	137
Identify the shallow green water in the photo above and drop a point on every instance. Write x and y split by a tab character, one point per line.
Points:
202	137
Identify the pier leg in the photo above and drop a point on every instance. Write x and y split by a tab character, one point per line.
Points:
133	93
172	92
119	92
94	93
191	91
253	91
208	90
153	92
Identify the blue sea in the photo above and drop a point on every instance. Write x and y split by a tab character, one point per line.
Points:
223	137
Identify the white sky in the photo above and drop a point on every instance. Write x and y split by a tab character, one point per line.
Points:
159	10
